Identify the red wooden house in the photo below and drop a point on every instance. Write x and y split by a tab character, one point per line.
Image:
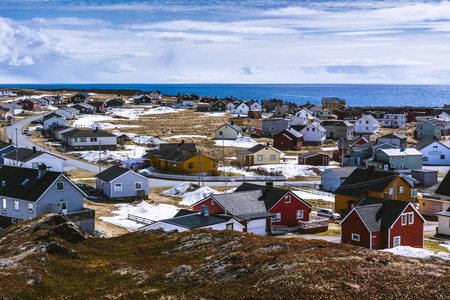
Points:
314	159
288	139
345	146
29	104
376	223
409	115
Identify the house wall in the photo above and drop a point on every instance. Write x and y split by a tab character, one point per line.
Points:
429	207
436	154
284	141
213	207
242	109
207	165
228	133
53	163
271	127
330	181
5	150
128	181
370	127
353	224
58	135
428	130
265	155
289	210
444	225
55	121
316	160
221	226
337	132
109	143
258	226
312	135
411	234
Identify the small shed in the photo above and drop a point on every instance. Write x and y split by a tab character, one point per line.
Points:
425	177
314	158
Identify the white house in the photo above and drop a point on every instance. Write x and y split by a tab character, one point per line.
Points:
69	113
313	134
53	120
394	120
434	152
444	222
155	95
228	132
367	124
90	139
31	158
302	117
255	106
241	109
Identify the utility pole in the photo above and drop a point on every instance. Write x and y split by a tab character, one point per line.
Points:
99	156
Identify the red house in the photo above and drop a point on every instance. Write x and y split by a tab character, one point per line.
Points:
314	159
29	104
409	115
345	146
382	224
288	139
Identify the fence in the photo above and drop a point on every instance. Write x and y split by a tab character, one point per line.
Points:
215	178
140	219
314	222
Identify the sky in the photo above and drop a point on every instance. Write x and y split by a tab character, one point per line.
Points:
229	41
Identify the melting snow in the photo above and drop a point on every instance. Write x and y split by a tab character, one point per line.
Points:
189	198
416	252
241	142
184	136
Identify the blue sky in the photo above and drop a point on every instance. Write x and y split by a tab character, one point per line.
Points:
211	41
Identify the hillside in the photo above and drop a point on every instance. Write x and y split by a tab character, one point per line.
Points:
49	257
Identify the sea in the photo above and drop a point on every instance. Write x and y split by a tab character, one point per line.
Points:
354	94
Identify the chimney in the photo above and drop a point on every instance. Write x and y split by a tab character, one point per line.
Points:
268	144
34	149
269	183
182	142
204	210
402	148
42	168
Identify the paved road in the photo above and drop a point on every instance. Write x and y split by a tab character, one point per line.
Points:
14	132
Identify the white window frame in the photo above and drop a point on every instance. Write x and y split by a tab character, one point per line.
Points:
391	191
404	219
173	164
117	187
356	237
399	238
276	218
401	189
190	165
410	218
138	185
4	205
300	214
259	158
58	184
16	205
230	226
30	208
273	157
34	165
287	199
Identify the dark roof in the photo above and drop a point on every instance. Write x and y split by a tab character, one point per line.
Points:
393	135
311	153
4	145
51	115
190	147
253	149
87	133
336	123
444	213
171	154
363	180
444	187
241	202
111	173
423	143
332	100
270	195
17	186
197	220
23	154
184	212
343	172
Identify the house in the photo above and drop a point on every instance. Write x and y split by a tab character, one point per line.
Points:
394	138
367	124
366	151
425	177
203	107
228	132
394	121
348	113
89	139
99	106
27	193
338	129
323	114
187	101
219	105
58	131
195	220
14	108
244	206
241	108
258	155
410	117
332	178
434	152
81	97
69	113
396	159
443	121
302	117
444	222
239	121
4	149
180	158
254	106
332	103
53	120
155	95
434	200
32	158
376	223
29	104
345	146
4	92
373	183
314	158
121	184
84	108
313	134
428	129
273	126
115	102
288	139
143	99
270	104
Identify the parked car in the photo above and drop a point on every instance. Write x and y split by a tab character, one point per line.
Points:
328	213
255	135
36	121
26	132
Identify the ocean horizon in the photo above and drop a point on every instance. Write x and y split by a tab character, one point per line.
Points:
354	94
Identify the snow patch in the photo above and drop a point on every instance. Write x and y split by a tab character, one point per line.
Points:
417	252
241	142
184	136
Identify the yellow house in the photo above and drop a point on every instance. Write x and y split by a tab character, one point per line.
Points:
239	121
332	103
372	183
259	155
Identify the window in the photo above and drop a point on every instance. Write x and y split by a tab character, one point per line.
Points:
117	187
403	157
307	129
4	205
173	164
30	207
272	157
14	221
260	157
396	241
16	205
75	139
313	129
391	191
287	199
138	185
367	122
300	214
271	128
276	218
60	186
392	158
404	219
410	218
220	132
442	156
83	140
401	189
355	237
230	226
35	165
94	139
190	165
212	202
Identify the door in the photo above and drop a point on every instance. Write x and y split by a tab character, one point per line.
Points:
257	226
64	206
396	241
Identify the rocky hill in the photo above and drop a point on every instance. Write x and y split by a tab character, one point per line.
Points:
50	257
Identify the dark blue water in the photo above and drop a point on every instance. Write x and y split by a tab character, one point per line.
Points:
354	94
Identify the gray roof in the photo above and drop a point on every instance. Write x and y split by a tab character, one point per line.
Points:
368	214
332	100
233	126
196	220
311	153
393	135
241	203
111	173
444	213
343	172
426	142
87	133
253	149
294	132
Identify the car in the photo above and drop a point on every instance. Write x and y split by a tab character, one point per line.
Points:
36	122
255	135
26	132
328	213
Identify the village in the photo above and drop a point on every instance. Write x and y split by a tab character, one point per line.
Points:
374	177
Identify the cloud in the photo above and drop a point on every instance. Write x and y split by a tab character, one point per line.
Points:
370	62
